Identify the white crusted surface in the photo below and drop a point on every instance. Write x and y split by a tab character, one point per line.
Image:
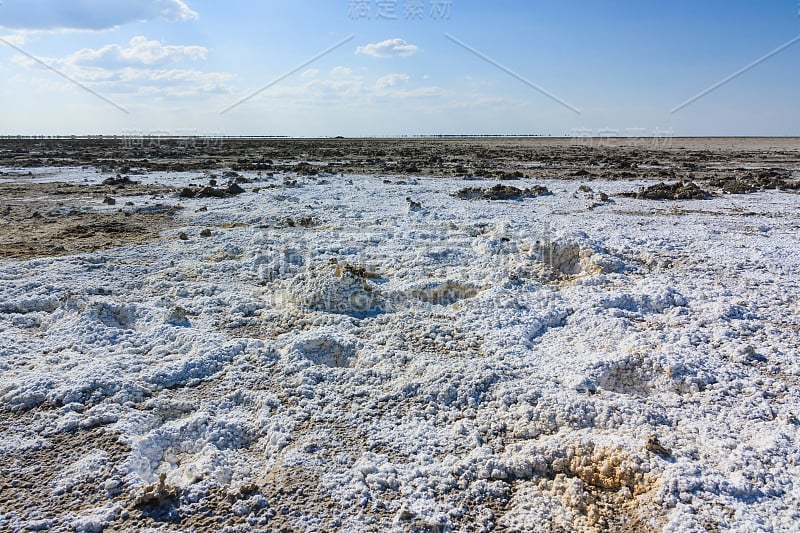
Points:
501	365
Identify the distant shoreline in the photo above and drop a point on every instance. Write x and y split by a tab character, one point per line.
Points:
386	138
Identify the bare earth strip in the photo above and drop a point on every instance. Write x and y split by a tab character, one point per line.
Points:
49	219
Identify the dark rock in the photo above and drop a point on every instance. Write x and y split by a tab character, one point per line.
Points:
356	271
307	222
413	205
234	189
182	236
501	192
109	201
754	182
210	192
654	446
680	190
508	176
119	181
303	222
469	193
306	169
205	233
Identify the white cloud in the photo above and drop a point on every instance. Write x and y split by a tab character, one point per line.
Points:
141	52
310	73
17	39
183	82
388	48
143	67
93	15
354	90
392	80
341	72
164	82
424	92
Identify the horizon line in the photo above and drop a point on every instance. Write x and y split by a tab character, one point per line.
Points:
379	137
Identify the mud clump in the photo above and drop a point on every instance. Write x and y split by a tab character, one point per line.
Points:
413	205
119	181
680	190
299	222
754	182
158	495
357	271
652	444
211	192
501	192
508	176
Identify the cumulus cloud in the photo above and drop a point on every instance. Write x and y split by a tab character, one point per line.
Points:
47	15
388	48
392	80
17	39
354	90
341	72
310	73
143	67
178	82
140	52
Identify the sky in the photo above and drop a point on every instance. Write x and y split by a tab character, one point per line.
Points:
310	68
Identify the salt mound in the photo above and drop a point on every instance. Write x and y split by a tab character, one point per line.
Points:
443	293
333	289
327	349
637	375
114	315
581	486
571	257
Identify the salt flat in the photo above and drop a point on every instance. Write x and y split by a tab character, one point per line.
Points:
368	352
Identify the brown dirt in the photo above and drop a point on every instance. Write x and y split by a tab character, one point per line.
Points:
693	159
36	493
671	191
51	219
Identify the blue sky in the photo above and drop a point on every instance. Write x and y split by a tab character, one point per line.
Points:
174	66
